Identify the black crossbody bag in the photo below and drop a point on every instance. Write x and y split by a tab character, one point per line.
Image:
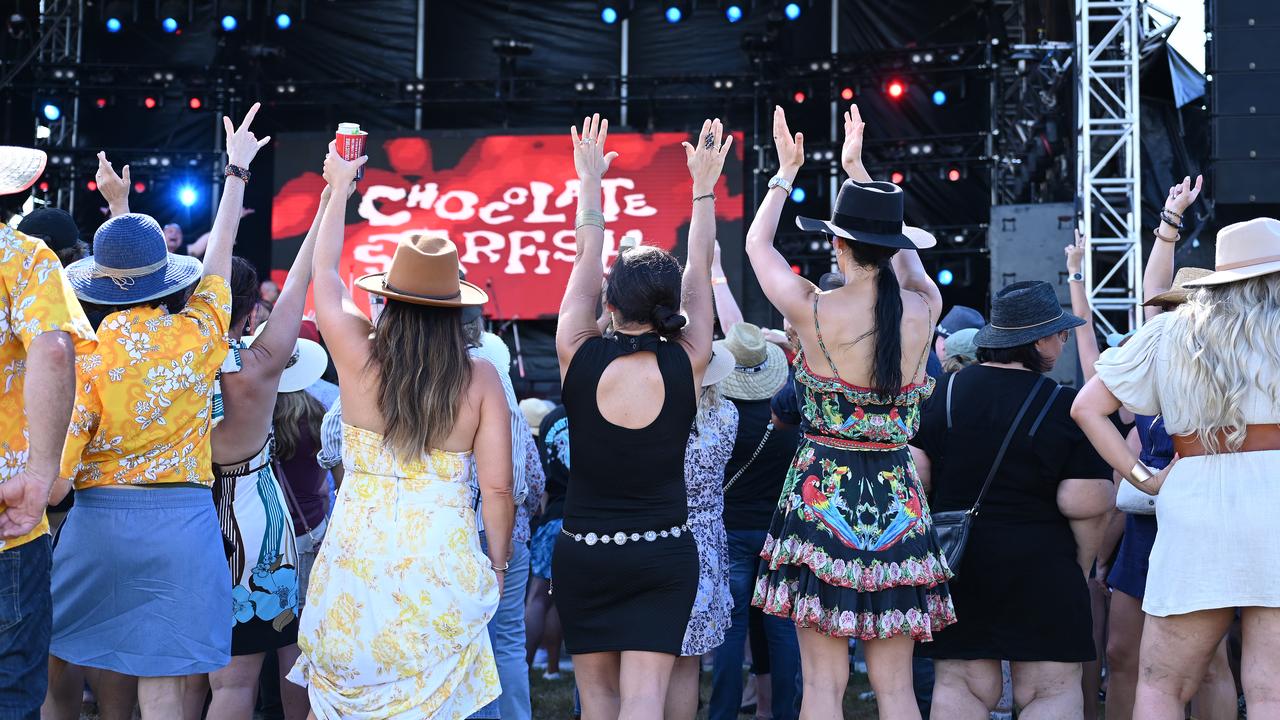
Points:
952	526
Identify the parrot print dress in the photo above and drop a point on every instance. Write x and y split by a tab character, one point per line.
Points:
851	550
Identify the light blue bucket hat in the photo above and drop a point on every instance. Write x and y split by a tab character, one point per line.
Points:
130	264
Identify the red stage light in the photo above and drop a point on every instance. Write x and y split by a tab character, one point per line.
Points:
93	186
800	96
953	174
44	186
896	89
795	269
140	187
100	102
896	177
846	93
195	103
150	103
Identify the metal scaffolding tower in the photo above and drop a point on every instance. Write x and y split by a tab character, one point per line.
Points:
1113	35
56	67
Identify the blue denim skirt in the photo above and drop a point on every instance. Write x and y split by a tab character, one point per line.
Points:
141	584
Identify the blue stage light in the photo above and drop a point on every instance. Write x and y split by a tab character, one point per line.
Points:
169	24
674	14
187	196
114	25
283	21
946	277
229	22
939	97
792	11
52	112
609	15
733	13
798	194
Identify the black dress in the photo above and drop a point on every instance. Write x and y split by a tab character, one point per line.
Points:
625	566
1019	593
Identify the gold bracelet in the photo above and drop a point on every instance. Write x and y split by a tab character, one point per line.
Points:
590	217
1140	473
1176	236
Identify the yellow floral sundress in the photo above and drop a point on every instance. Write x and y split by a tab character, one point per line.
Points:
401	593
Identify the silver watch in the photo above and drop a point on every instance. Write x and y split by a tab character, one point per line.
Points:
1076	277
779	181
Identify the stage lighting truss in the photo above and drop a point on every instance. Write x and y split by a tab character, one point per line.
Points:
584	85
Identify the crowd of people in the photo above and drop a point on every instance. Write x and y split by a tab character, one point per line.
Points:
878	478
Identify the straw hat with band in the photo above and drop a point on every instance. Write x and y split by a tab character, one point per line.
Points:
1179	292
1245	250
424	271
871	213
305	366
130	264
534	410
720	367
1022	313
19	168
760	367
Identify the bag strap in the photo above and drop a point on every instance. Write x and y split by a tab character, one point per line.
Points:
995	464
768	430
951	385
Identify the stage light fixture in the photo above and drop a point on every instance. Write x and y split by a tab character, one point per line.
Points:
675	12
284	21
52	112
795	269
43	186
91	186
734	12
954	174
792	11
609	14
800	97
939	97
946	277
195	103
43	132
846	93
170	24
187	195
230	23
150	103
101	102
798	194
896	89
139	187
114	25
897	177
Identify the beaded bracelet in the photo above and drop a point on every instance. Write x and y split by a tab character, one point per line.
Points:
1165	218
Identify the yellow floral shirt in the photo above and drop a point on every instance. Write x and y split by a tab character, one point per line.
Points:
144	396
36	299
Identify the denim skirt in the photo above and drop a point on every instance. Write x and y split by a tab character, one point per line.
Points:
141	584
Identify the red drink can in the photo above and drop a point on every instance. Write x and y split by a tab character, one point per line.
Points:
350	143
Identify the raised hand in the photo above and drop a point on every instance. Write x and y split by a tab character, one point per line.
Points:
851	152
1075	254
114	188
707	159
589	157
1183	194
339	172
242	144
790	148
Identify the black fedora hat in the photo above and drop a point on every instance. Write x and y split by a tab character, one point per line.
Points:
870	212
1023	313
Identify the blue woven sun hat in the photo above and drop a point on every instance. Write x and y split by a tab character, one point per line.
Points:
130	264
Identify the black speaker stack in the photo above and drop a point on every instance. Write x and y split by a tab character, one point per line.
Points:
1243	56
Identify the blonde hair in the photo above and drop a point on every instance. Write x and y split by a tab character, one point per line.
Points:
294	411
708	399
956	363
1218	340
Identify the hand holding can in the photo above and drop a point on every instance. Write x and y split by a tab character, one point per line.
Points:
350	142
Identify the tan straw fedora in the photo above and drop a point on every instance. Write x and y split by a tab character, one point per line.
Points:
1245	250
760	367
19	168
719	368
424	271
1179	293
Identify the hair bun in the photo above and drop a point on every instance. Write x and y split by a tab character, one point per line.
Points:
667	321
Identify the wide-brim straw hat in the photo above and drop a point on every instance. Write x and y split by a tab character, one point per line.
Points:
870	212
1179	292
130	264
305	366
424	271
1023	313
719	368
20	167
534	410
760	367
1245	250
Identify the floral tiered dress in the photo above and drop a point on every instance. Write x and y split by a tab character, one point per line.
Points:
401	593
851	550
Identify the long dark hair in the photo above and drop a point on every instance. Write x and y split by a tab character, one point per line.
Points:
421	358
244	290
644	287
886	362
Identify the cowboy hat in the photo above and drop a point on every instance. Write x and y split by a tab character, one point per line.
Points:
424	271
19	168
1023	313
305	366
870	212
534	409
719	368
760	367
1179	292
1245	250
130	264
